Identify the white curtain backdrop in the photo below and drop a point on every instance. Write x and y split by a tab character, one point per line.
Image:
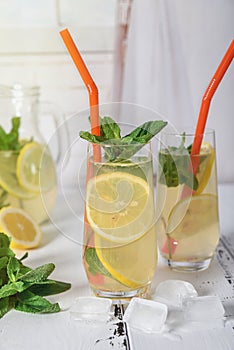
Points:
174	48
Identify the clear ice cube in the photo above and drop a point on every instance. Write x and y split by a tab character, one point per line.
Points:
172	292
204	308
91	309
146	315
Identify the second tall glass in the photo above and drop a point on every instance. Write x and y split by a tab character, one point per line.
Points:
187	201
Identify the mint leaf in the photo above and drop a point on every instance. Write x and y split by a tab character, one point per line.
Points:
134	141
11	289
49	287
6	304
30	302
86	135
3	262
95	265
4	241
10	141
6	252
39	274
145	132
109	129
13	269
175	167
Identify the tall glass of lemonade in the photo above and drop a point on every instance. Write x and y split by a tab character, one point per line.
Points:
120	248
187	201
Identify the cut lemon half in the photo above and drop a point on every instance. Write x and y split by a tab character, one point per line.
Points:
119	206
207	155
35	168
192	215
8	178
19	225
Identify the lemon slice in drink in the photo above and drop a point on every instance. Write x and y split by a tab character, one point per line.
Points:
119	206
19	225
8	178
115	263
35	168
192	215
205	167
122	262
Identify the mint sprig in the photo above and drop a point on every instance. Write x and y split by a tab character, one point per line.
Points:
110	135
23	288
10	141
175	163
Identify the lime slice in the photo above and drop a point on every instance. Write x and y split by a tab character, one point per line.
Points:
8	178
205	167
19	225
192	216
119	206
35	168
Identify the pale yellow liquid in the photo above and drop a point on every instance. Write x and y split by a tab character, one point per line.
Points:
189	245
40	204
131	266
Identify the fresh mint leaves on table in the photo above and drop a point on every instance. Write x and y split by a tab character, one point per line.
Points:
22	288
110	134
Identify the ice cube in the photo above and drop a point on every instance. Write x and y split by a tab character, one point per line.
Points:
204	308
146	315
91	309
172	292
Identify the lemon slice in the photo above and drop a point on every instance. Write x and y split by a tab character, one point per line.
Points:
205	166
35	168
8	178
119	206
192	215
116	259
115	263
19	225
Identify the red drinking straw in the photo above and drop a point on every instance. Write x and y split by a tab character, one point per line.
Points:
90	85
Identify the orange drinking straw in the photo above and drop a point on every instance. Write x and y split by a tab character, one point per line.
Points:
90	85
206	100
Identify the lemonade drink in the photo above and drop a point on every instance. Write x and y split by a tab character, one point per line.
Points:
28	180
187	205
120	248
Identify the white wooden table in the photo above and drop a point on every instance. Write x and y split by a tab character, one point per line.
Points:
59	331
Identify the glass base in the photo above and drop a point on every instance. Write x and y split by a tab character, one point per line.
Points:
188	266
122	297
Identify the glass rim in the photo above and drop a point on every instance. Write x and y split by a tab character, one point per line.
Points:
19	90
109	145
190	133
